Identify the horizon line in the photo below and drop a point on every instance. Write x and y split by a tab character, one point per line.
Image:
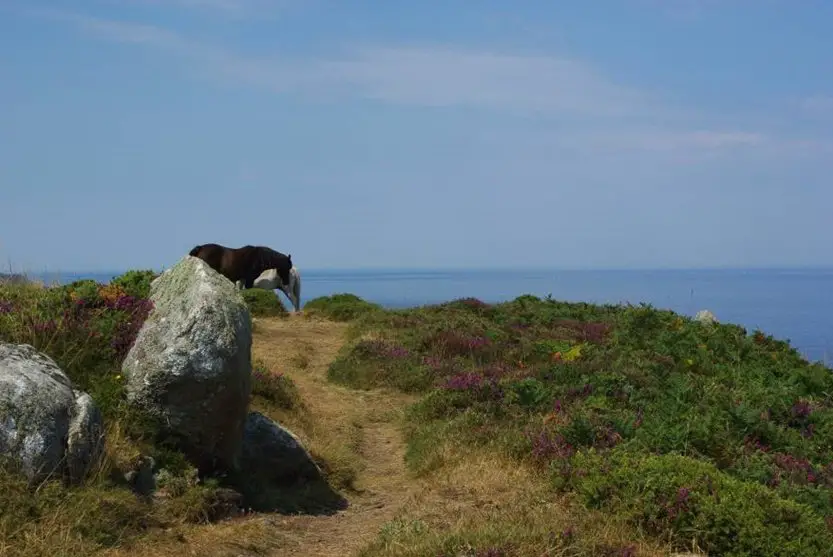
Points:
530	268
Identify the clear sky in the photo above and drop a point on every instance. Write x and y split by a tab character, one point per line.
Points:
349	133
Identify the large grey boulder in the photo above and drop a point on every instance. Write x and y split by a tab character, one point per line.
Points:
190	366
47	428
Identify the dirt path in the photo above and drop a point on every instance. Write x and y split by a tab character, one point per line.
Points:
360	426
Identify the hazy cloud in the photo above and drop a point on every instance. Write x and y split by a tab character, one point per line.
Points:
425	75
818	104
231	8
451	76
593	109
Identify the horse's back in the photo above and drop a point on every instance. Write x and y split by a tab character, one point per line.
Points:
212	254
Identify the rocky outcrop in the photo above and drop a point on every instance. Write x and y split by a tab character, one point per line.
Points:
47	428
190	366
706	317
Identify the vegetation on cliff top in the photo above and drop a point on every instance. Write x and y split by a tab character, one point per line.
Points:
676	431
684	430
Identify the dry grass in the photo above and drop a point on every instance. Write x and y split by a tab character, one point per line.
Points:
233	538
480	502
355	436
329	426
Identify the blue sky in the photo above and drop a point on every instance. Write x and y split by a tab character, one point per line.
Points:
613	134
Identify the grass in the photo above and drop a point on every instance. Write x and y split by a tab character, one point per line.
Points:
263	303
676	430
482	503
340	307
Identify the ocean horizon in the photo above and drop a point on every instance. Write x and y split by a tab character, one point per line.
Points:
789	303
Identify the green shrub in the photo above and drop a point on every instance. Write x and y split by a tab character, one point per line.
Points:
365	364
86	289
136	283
263	303
681	498
341	307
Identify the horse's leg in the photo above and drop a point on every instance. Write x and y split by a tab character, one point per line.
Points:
296	290
250	281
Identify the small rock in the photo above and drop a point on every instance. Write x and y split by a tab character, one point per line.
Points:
141	478
277	474
226	503
272	451
705	316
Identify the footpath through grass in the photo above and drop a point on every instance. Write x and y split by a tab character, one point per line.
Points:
672	431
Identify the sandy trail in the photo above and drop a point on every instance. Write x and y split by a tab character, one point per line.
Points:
303	348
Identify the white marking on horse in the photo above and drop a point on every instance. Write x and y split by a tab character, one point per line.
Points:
270	280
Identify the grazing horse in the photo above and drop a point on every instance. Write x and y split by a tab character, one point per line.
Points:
244	264
269	280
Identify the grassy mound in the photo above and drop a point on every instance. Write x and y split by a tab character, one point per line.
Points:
341	307
263	303
682	430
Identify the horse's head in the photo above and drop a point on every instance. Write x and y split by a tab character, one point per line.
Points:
292	289
284	269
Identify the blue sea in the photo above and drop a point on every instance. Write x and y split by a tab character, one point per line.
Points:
794	305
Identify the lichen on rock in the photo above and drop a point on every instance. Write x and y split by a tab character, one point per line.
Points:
190	366
46	426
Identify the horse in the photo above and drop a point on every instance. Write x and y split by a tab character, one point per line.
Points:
244	264
269	280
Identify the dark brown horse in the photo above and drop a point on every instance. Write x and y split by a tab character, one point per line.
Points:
243	264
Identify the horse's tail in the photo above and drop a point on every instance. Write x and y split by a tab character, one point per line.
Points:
195	251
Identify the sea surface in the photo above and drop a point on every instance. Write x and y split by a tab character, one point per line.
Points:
794	305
